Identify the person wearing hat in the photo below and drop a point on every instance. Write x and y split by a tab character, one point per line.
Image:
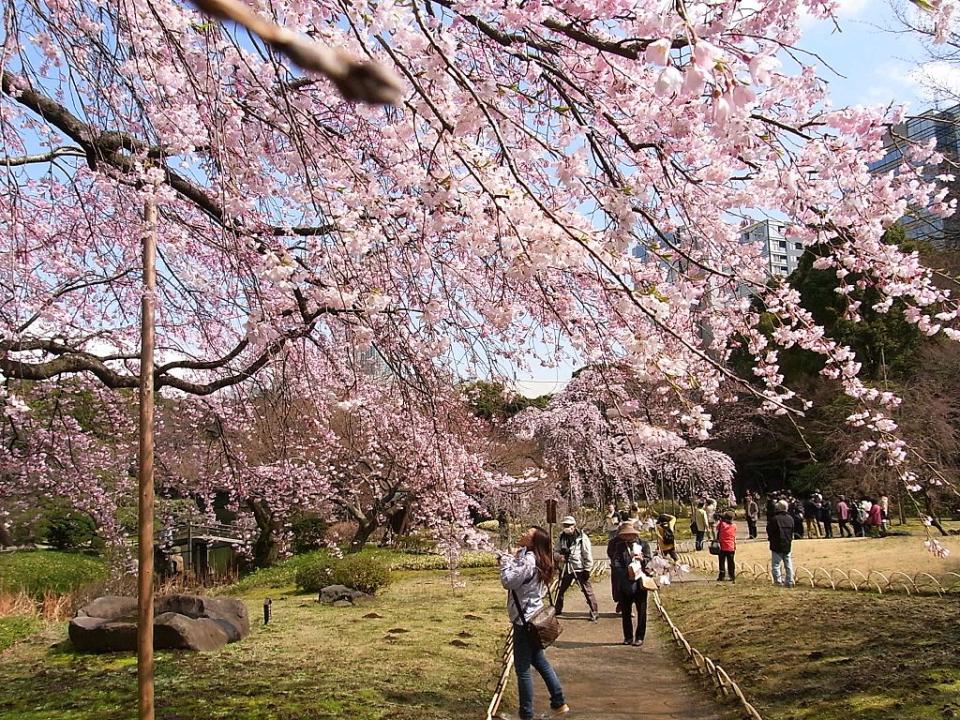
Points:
629	592
576	551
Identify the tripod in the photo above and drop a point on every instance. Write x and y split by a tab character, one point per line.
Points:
567	576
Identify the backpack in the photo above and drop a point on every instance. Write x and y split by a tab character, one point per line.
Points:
668	538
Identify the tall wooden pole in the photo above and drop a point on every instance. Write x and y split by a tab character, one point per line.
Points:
145	470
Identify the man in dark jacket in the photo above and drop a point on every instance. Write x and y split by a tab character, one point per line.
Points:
780	535
826	518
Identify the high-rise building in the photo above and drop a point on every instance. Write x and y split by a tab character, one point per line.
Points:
919	224
781	253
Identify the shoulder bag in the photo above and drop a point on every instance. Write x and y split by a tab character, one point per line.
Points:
714	547
544	627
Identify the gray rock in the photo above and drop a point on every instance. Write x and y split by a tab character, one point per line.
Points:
332	593
110	607
89	634
173	631
181	622
342	603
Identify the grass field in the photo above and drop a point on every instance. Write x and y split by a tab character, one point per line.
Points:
38	572
822	655
424	659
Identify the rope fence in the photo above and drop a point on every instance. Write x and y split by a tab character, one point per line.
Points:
721	680
921	583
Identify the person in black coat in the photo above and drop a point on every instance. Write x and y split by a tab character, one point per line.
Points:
826	518
780	532
626	547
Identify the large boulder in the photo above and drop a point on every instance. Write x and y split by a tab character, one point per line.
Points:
173	631
332	594
181	622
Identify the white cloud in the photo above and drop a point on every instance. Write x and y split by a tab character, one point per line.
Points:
936	79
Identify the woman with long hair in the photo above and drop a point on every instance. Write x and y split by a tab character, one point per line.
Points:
525	577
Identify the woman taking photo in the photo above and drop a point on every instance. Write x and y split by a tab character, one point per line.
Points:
526	576
626	547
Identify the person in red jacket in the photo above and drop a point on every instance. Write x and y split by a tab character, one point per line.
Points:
727	537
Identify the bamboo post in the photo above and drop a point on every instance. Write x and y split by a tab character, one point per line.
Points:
145	469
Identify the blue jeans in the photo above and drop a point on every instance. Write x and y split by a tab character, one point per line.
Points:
787	560
525	654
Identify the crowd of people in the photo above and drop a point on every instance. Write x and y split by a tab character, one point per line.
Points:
528	572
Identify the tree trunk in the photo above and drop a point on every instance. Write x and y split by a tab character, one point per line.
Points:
266	548
363	533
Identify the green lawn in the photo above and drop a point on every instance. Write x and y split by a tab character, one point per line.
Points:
423	660
37	572
807	654
17	628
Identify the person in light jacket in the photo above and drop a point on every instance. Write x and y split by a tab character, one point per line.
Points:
525	577
666	535
575	548
752	514
626	547
727	537
700	523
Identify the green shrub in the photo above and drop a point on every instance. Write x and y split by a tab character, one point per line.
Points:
308	533
316	574
68	529
37	572
361	572
491	525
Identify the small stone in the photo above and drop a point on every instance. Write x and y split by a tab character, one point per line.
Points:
398	630
372	615
342	603
464	634
459	643
469	616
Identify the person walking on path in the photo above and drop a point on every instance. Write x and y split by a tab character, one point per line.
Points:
857	517
826	518
780	535
727	537
885	509
575	548
611	521
753	514
843	517
666	536
629	592
700	523
526	576
875	519
796	512
711	508
811	511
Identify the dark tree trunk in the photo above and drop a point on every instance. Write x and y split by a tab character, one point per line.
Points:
266	548
6	539
363	533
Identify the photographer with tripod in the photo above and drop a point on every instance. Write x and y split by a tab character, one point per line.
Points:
576	551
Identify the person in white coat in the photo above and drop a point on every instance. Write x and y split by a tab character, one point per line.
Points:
576	551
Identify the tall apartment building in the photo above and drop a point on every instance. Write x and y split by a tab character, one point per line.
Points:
782	254
942	125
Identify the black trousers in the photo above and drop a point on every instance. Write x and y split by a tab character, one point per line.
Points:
700	534
844	530
583	580
627	604
828	527
727	557
752	528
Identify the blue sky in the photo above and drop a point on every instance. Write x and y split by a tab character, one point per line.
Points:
878	65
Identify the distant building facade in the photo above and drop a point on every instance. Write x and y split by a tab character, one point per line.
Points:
781	253
920	224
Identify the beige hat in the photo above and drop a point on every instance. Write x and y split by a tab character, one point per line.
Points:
569	520
628	528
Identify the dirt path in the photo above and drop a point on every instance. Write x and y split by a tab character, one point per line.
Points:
605	680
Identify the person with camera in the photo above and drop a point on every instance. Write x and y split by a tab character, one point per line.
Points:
526	577
576	553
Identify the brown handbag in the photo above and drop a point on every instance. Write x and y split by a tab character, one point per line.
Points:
544	627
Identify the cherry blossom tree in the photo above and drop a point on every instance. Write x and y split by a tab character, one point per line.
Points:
494	208
608	435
